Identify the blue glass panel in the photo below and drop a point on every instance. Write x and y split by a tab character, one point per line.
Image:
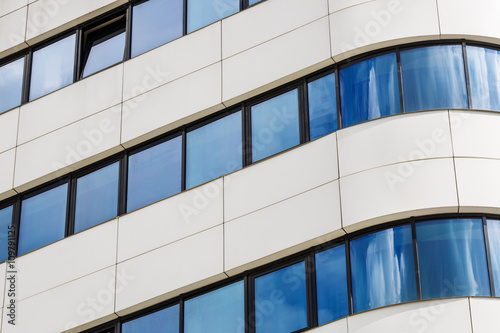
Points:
251	2
52	67
494	240
11	84
383	269
43	219
201	13
154	23
163	321
484	74
331	284
322	106
154	174
369	90
214	150
280	300
275	125
104	54
452	258
221	311
96	197
434	78
5	224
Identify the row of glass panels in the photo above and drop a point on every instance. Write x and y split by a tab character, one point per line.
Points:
452	256
221	145
154	22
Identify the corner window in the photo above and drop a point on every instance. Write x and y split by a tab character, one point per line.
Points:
43	219
214	149
163	321
484	74
155	22
104	46
96	197
369	90
11	84
201	13
322	106
52	67
5	227
275	125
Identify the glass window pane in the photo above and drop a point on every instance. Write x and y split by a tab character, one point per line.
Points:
484	74
369	90
43	219
11	84
154	23
96	197
322	106
5	224
494	241
383	269
280	300
154	174
201	13
214	150
331	284
221	310
452	258
163	321
275	125
52	67
434	78
105	53
251	2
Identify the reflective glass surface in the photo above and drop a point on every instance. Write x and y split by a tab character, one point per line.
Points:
322	106
452	258
201	13
154	23
434	78
484	75
11	84
5	223
369	90
280	300
154	174
105	53
163	321
251	2
221	311
97	197
214	150
494	242
331	284
275	125
43	219
52	67
383	269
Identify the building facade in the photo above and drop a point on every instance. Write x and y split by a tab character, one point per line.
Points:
249	166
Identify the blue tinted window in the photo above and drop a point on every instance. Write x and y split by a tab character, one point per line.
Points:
5	223
52	67
383	269
43	219
331	284
214	150
11	84
280	300
104	53
369	90
275	125
154	174
484	74
494	240
434	78
222	310
96	197
322	106
452	258
154	23
202	12
163	321
251	2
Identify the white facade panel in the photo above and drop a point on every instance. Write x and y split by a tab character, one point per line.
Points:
8	129
7	163
336	5
8	6
484	313
13	28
